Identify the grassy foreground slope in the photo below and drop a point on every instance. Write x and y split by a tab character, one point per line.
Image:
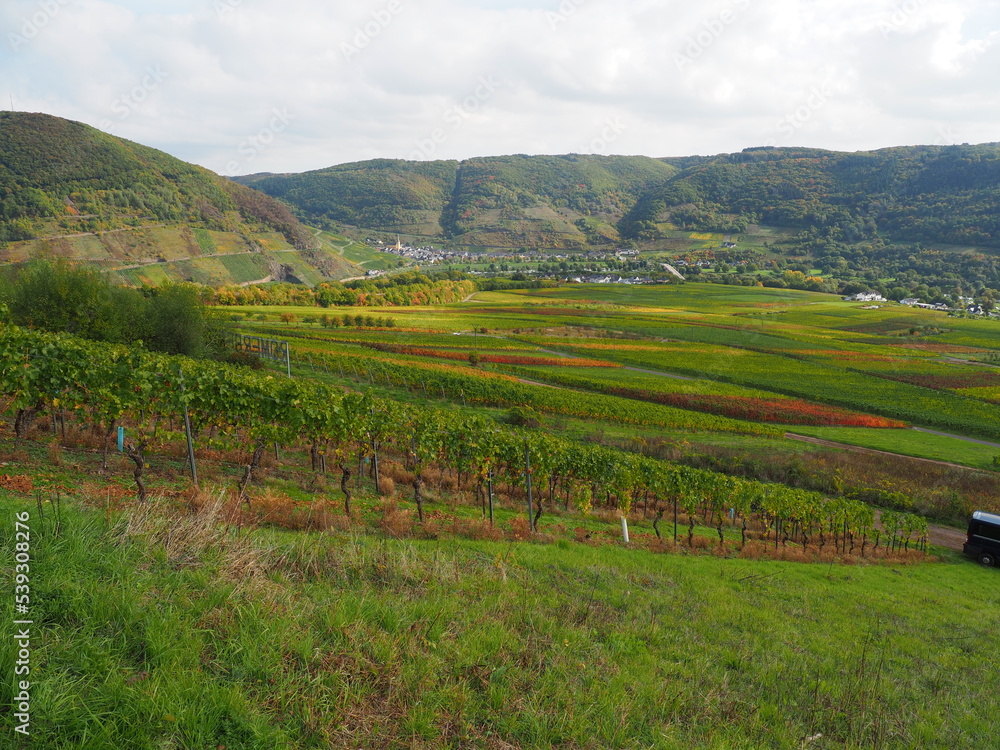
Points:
172	631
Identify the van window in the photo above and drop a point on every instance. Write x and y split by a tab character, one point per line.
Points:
987	530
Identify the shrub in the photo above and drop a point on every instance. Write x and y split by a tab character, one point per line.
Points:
396	522
523	416
520	529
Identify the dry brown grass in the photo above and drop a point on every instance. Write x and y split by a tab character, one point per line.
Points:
396	472
703	543
475	528
54	454
758	550
274	508
105	495
81	438
395	521
13	456
207	454
198	535
520	529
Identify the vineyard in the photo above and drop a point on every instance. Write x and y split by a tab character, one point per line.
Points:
554	536
106	386
704	368
768	409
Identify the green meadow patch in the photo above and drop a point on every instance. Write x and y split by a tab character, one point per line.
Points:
166	630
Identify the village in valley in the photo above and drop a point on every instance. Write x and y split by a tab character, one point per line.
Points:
597	268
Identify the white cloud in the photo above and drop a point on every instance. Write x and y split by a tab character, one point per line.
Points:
683	78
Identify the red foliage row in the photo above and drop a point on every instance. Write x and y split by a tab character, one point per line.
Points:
778	411
850	356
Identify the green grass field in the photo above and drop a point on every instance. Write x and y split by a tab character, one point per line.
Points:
168	631
910	443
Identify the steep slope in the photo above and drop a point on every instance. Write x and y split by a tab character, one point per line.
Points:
388	194
70	190
506	201
933	194
948	194
549	201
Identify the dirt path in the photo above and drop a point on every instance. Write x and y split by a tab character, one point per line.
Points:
258	281
942	536
178	260
535	382
102	232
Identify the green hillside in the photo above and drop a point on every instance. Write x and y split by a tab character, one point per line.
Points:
69	190
942	194
388	193
507	201
947	194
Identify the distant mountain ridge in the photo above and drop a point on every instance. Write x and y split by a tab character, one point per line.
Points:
944	194
70	190
508	201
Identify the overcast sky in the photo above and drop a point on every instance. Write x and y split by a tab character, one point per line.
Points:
244	86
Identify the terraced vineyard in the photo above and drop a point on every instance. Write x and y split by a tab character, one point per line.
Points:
420	537
748	362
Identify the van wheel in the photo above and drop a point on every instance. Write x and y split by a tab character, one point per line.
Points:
988	559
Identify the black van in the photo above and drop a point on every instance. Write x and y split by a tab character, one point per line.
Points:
984	538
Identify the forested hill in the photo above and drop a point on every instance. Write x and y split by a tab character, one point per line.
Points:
504	201
941	194
59	178
947	194
379	193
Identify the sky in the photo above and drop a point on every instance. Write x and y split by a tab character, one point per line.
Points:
245	86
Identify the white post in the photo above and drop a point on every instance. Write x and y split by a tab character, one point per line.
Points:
625	529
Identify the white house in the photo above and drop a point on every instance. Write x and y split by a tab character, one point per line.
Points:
865	297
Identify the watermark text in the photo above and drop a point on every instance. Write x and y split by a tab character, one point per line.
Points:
22	625
33	25
698	43
366	33
129	101
455	117
253	145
